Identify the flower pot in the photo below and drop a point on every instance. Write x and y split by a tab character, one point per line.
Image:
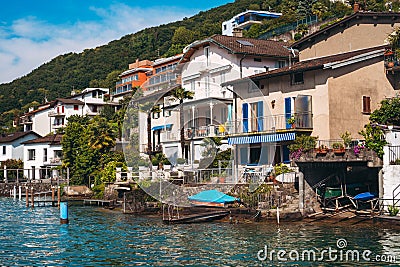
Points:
339	151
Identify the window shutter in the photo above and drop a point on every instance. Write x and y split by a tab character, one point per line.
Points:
260	115
245	115
366	104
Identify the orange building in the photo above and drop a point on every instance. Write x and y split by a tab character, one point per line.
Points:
133	77
163	74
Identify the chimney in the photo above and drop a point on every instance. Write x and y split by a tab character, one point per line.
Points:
356	7
237	32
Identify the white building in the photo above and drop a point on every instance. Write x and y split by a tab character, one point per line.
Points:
37	120
41	155
204	66
53	115
244	20
11	145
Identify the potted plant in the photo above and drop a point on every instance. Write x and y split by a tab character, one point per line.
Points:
346	137
292	121
302	144
322	150
338	148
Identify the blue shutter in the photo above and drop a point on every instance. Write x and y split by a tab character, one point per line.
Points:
245	113
260	115
288	110
286	154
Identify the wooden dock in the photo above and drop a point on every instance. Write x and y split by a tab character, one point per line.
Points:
100	202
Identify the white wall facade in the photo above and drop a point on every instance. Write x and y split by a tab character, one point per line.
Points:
40	159
14	149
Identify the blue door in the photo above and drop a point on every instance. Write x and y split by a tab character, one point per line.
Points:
288	111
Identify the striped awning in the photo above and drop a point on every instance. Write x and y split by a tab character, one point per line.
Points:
265	138
161	127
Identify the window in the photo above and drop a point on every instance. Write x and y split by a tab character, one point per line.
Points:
224	27
281	63
222	77
207	81
257	59
44	154
76	107
366	107
4	150
257	111
31	154
192	85
207	54
297	78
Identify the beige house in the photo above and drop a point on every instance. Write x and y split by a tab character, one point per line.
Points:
340	79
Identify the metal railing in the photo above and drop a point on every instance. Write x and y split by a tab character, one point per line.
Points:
208	131
273	123
289	27
394	155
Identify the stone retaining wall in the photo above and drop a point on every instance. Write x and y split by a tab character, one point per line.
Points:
37	187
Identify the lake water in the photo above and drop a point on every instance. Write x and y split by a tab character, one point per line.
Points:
98	237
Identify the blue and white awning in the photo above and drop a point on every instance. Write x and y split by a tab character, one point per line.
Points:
265	138
162	127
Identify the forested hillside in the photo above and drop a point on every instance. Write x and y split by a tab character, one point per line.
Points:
100	66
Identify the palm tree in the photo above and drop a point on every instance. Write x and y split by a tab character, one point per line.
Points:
181	94
149	108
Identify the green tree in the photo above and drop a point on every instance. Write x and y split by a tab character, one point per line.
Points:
374	138
388	113
254	31
254	7
181	94
71	139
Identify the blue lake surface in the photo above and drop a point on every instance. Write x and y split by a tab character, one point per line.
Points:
98	237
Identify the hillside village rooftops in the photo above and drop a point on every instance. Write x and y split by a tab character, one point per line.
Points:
68	101
7	138
54	139
242	46
317	63
356	18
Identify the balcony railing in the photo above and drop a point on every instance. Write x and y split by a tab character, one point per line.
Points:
208	131
273	123
56	113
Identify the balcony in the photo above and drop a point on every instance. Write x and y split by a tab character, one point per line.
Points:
207	131
326	152
157	148
52	161
273	123
56	113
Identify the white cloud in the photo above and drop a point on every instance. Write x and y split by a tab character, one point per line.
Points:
29	42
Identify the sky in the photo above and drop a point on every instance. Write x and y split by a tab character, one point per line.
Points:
34	32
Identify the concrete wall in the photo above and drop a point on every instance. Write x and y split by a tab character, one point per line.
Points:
391	179
347	86
356	37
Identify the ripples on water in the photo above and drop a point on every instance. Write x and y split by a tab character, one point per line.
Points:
96	237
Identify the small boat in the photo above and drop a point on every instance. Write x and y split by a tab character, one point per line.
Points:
364	196
212	198
197	218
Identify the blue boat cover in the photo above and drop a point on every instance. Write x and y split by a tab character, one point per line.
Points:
213	196
364	196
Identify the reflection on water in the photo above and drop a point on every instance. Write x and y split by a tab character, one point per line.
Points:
96	237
